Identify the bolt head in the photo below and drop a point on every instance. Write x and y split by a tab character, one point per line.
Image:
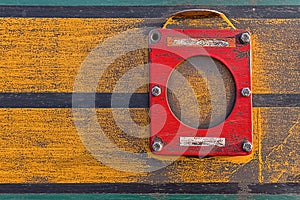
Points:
157	146
245	38
156	91
246	92
247	147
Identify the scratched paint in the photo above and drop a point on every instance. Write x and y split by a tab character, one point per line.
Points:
280	154
259	131
147	2
42	145
44	55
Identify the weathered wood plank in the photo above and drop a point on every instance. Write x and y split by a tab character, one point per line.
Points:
188	190
43	146
50	52
44	55
251	11
146	2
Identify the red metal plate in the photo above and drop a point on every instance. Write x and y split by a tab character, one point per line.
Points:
170	47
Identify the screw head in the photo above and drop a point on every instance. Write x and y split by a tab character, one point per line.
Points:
157	146
246	92
247	146
245	38
156	91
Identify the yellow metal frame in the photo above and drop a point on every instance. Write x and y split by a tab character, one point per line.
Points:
197	12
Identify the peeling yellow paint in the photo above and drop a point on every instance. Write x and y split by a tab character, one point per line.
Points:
276	151
275	56
259	133
45	54
42	145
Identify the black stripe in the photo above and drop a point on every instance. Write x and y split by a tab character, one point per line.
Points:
81	100
276	100
118	100
139	188
144	11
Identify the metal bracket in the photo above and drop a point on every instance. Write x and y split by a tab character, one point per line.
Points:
169	48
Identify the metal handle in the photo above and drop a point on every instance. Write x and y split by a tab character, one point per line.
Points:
197	12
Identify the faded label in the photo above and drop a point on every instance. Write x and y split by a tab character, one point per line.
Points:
202	141
203	42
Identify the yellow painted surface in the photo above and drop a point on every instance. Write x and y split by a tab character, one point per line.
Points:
275	55
280	144
44	55
258	123
42	145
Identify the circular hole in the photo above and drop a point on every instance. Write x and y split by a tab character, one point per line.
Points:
201	92
155	36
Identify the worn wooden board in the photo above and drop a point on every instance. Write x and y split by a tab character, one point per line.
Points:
41	146
275	60
146	2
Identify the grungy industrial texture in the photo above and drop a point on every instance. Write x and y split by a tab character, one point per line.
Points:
51	51
43	146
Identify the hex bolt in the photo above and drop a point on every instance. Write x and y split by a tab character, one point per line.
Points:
156	91
247	146
246	92
245	38
157	146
